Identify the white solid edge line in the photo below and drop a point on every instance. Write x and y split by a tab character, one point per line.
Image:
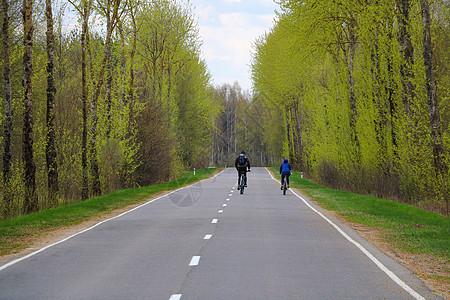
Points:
99	223
175	297
379	264
194	261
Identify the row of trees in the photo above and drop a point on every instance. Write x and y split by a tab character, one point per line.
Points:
239	128
363	91
122	100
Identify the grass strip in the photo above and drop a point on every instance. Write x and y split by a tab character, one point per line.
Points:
15	232
407	227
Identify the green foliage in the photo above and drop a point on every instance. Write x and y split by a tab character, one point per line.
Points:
153	120
177	83
354	106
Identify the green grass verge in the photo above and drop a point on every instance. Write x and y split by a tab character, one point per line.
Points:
15	232
407	227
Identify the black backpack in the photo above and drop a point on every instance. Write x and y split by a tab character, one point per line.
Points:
242	162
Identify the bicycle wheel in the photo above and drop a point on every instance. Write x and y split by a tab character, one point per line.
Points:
242	184
284	186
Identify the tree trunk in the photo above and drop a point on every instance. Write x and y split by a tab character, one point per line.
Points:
8	108
96	187
131	83
85	188
433	106
31	201
108	80
351	82
123	62
289	134
299	136
52	165
407	49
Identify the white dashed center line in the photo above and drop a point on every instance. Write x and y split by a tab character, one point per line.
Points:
224	205
208	237
175	297
214	221
194	261
220	211
228	199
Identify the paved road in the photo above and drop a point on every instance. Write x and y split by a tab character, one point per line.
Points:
209	242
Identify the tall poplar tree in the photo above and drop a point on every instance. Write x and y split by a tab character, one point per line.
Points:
433	107
31	200
52	165
8	105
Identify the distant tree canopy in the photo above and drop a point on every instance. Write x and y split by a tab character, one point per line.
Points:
363	91
122	100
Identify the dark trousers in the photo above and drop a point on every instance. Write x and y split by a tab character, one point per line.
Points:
244	173
287	178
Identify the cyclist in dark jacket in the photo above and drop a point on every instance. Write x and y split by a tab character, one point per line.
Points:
285	169
242	163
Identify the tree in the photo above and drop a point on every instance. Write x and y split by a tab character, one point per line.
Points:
112	12
31	201
404	7
436	135
8	104
84	9
52	165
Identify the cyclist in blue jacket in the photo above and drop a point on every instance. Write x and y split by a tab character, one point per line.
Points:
285	169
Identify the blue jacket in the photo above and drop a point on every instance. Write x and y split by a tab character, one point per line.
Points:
285	168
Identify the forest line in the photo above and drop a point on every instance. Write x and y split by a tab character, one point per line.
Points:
361	92
121	100
355	93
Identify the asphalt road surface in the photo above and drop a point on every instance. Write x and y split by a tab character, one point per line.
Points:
207	241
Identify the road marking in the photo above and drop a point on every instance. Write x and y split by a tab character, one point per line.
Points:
194	261
224	205
220	211
231	191
175	297
379	264
99	223
208	237
230	195
214	221
228	199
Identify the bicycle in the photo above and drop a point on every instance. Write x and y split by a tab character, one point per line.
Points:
242	180
284	187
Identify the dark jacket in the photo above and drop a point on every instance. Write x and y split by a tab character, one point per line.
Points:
242	167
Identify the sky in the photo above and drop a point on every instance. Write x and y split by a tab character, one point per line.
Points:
228	28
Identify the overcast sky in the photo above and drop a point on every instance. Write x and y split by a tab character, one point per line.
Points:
228	29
